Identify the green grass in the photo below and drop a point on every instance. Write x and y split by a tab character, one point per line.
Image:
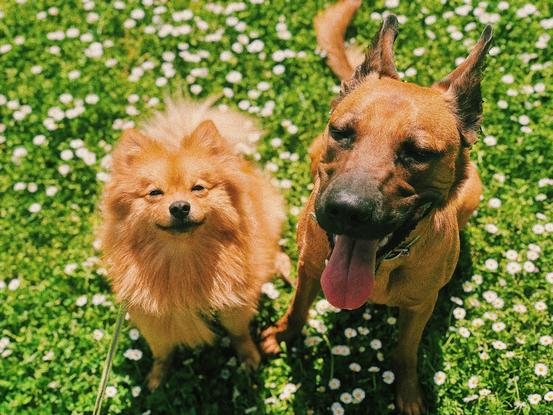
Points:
51	359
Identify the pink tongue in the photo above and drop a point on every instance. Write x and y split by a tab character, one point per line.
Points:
348	278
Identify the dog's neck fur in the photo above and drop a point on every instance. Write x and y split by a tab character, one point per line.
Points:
175	277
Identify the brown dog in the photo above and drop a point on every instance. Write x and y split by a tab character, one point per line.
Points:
393	186
190	229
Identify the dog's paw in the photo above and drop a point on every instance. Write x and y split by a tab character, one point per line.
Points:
270	343
251	361
282	331
247	352
409	398
157	374
249	356
153	381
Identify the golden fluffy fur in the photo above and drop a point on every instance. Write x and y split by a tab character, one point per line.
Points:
181	116
173	280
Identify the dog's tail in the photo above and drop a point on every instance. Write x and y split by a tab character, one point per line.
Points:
330	27
182	115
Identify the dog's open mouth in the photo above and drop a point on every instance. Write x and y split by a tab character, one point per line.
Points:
349	276
178	228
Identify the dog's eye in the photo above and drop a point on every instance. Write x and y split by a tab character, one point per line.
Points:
411	154
198	188
156	192
342	135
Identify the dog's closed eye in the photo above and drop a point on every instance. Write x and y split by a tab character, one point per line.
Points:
410	154
343	135
155	192
198	188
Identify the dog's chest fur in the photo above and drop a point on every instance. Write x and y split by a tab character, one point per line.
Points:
406	281
182	307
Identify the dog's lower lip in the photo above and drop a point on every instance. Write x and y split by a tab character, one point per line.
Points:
381	241
185	227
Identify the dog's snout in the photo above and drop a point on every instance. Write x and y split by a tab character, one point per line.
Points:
349	210
352	204
179	209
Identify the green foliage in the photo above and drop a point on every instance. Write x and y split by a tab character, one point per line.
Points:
56	310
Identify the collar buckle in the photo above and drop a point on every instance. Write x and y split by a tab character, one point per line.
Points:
400	251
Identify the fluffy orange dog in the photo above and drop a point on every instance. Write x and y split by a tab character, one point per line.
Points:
393	186
190	230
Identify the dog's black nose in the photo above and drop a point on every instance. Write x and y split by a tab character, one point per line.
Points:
349	210
352	204
179	209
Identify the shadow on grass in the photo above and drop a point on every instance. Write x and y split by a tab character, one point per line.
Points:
200	381
208	381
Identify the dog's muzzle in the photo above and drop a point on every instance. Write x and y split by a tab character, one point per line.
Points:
353	205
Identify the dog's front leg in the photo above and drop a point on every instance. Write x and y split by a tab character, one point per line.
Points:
289	325
162	361
237	322
155	330
412	321
162	351
313	246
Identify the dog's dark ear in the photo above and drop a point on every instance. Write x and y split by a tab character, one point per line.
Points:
207	135
463	88
379	58
129	146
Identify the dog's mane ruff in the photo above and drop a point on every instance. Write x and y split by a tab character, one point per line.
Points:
222	264
181	116
161	278
209	272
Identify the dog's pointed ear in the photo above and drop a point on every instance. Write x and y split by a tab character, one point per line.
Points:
463	88
380	56
131	144
207	135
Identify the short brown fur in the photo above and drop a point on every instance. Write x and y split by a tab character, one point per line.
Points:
384	113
